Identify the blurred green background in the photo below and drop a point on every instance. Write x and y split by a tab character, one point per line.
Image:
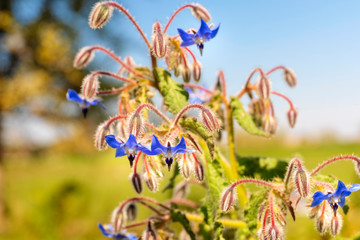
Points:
53	184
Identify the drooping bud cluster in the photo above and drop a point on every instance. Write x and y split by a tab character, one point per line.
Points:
100	15
273	220
101	132
159	41
83	57
200	12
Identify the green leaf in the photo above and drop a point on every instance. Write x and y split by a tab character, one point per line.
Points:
192	125
244	119
175	96
177	216
216	183
252	208
261	167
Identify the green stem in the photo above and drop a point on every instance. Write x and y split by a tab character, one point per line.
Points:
243	199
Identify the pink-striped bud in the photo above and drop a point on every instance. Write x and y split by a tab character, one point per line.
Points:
321	224
185	166
290	77
101	131
264	87
100	14
136	182
90	86
292	115
227	199
149	233
274	232
180	190
302	182
151	180
185	73
131	211
200	12
269	124
257	110
357	167
335	225
199	171
83	57
135	124
209	120
118	219
196	71
159	41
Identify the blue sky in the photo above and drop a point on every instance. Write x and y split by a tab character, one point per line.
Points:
320	40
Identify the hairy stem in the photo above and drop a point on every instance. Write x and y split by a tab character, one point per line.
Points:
345	157
175	13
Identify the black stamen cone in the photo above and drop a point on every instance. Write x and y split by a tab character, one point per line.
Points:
169	161
131	158
334	207
201	47
84	111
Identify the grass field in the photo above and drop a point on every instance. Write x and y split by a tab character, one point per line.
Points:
64	196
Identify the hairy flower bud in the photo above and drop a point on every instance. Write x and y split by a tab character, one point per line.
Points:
274	232
196	71
151	180
227	199
185	73
180	190
131	211
129	61
290	77
100	14
118	219
264	87
199	171
302	182
149	233
185	166
335	225
269	124
257	110
83	57
90	86
357	167
292	115
159	41
321	224
135	124
101	132
209	120
136	182
200	12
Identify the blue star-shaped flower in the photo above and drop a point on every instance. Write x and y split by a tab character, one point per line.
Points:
197	96
108	231
204	34
72	95
130	148
168	152
336	198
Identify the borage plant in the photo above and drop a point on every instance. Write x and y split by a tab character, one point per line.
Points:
190	143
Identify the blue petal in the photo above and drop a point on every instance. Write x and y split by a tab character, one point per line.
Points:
340	188
186	151
157	146
181	146
318	197
185	36
96	102
147	151
107	233
187	43
120	152
354	187
111	140
214	32
131	143
203	30
342	201
72	95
